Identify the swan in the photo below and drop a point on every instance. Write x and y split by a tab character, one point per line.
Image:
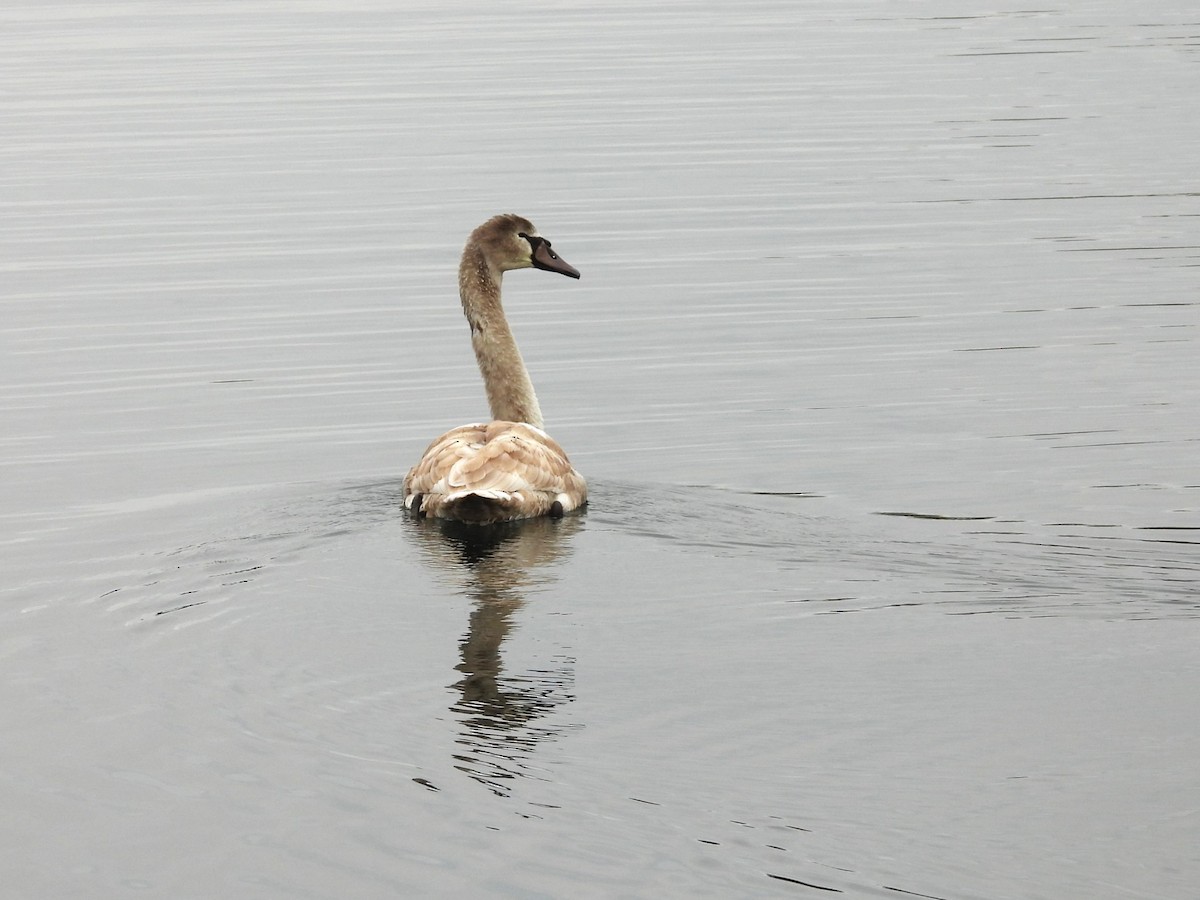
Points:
508	468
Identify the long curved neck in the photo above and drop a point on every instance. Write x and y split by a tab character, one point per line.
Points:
509	390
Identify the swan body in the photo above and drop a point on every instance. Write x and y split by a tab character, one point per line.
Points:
508	468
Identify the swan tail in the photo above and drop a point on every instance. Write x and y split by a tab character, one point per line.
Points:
482	508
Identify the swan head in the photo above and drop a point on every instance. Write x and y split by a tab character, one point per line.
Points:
512	242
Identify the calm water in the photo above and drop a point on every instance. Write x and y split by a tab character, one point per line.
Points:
882	367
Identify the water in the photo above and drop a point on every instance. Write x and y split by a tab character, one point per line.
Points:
881	369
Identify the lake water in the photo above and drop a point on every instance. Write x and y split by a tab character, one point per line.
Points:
883	370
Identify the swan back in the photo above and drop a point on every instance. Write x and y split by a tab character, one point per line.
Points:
492	472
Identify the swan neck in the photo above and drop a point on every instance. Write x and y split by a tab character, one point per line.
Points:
509	389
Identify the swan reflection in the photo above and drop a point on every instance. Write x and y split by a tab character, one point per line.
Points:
502	715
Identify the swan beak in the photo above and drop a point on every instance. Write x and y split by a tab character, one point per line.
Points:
546	258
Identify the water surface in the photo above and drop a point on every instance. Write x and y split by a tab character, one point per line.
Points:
882	368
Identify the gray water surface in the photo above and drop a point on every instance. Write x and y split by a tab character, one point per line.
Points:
882	369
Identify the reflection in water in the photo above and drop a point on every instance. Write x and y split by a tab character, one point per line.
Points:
500	713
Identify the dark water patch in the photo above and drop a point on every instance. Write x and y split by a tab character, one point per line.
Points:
936	516
993	349
1017	53
799	495
1035	198
897	890
807	884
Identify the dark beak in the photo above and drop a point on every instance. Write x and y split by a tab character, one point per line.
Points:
545	258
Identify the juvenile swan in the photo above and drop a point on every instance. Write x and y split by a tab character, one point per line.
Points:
508	468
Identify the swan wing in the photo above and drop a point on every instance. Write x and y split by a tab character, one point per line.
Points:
511	462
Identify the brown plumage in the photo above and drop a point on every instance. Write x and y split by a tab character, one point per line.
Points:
508	468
